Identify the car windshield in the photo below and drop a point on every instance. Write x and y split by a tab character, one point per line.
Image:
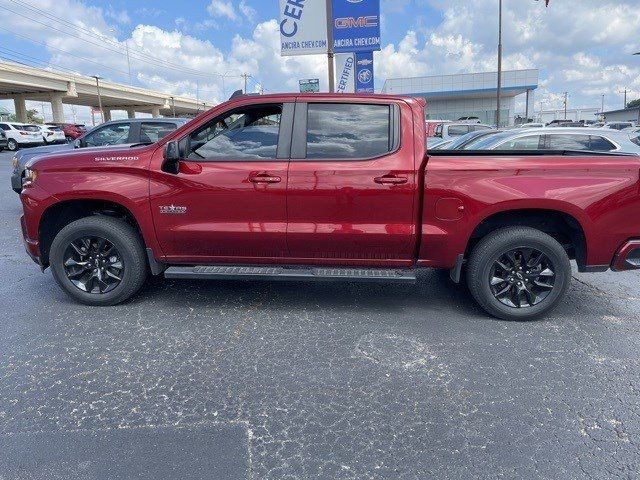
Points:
488	141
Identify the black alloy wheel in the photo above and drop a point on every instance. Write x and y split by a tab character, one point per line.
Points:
522	278
93	264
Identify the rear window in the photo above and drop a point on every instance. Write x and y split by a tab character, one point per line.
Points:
151	132
636	140
30	128
336	131
457	130
601	144
569	142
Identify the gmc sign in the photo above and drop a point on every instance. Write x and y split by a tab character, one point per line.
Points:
360	22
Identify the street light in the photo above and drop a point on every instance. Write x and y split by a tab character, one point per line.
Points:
99	96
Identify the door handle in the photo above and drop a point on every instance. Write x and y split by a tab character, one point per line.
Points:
264	179
391	180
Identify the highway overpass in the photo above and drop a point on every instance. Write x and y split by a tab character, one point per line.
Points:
21	83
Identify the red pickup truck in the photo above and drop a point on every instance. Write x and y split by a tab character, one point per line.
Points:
329	187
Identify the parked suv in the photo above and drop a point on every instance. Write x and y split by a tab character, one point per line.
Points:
20	135
117	132
52	134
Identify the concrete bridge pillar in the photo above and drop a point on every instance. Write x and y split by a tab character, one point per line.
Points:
21	108
57	108
131	113
155	112
106	112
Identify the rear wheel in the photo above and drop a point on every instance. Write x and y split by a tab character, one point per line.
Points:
518	273
98	260
12	145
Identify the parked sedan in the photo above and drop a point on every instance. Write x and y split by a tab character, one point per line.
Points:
118	132
562	138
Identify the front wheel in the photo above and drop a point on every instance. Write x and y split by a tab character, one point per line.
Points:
518	273
12	145
98	260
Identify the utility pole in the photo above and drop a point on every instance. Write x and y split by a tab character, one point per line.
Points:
173	107
566	97
246	77
126	44
330	62
498	106
99	97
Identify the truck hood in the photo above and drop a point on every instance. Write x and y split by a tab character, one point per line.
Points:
88	156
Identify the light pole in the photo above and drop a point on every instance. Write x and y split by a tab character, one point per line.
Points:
173	107
99	96
330	62
499	64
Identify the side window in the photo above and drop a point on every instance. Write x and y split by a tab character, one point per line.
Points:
457	130
477	128
568	142
151	132
601	144
243	134
438	132
348	131
4	126
115	134
523	143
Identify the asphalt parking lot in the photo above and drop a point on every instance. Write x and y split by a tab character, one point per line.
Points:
300	381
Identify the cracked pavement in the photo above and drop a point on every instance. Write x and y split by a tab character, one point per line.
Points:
301	381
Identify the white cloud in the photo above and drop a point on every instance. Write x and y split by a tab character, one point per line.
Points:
222	8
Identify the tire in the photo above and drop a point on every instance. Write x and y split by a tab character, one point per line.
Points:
12	145
510	247
117	233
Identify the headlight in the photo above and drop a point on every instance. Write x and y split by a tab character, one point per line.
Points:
29	177
14	161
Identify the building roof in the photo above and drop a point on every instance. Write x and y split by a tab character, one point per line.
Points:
622	110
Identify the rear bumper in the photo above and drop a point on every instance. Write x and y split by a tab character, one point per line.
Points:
628	257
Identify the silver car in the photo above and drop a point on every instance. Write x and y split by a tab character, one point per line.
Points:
561	138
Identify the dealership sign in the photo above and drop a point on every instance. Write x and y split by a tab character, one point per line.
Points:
303	27
311	85
356	25
346	70
364	72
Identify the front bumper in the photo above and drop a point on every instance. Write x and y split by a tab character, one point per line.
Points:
628	257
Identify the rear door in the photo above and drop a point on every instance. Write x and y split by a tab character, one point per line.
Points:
352	183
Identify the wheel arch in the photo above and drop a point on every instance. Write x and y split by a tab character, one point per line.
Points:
61	214
561	225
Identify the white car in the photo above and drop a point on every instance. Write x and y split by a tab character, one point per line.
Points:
52	134
618	125
561	139
532	125
21	135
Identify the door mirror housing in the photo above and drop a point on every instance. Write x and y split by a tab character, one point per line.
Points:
171	162
78	143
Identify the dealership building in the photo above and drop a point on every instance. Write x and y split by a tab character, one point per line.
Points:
450	97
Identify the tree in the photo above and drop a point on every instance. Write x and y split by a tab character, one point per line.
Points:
634	104
32	117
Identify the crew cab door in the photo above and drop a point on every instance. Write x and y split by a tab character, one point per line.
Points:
352	182
228	201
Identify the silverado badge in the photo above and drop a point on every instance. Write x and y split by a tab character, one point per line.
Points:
172	209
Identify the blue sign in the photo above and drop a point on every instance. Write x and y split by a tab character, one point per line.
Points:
364	72
356	26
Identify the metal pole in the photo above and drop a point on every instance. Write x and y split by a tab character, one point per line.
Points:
566	95
498	106
330	62
99	97
173	107
526	114
126	43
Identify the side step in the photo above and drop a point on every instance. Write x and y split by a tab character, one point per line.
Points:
232	272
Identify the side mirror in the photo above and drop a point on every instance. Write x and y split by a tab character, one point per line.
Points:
78	143
171	162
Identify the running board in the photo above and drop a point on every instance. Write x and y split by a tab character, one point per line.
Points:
232	272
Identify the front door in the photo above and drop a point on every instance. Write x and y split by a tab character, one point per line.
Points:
352	184
228	201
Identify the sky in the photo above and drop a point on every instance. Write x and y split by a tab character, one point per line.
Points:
201	48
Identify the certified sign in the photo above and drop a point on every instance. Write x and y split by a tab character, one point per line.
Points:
303	27
356	25
346	73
